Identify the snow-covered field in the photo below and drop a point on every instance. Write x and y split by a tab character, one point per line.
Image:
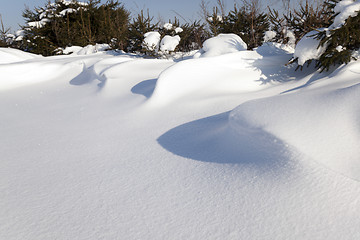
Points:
229	146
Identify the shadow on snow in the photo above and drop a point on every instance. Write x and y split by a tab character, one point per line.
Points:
211	139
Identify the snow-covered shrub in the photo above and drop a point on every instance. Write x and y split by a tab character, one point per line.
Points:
308	49
151	42
169	43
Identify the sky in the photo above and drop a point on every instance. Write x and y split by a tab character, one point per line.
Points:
11	10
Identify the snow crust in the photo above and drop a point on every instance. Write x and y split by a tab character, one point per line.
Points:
234	146
222	44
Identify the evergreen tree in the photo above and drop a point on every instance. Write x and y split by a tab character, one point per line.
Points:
137	28
247	22
299	21
65	23
341	41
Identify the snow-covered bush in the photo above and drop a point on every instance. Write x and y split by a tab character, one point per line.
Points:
151	42
308	49
169	43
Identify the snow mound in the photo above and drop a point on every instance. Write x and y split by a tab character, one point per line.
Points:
204	77
322	124
308	48
222	44
10	55
169	43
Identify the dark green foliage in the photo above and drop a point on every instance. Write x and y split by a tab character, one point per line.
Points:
347	36
307	18
137	28
247	22
192	36
216	22
83	25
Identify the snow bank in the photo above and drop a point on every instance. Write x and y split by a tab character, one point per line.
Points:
84	157
151	40
222	44
308	48
322	124
10	55
169	43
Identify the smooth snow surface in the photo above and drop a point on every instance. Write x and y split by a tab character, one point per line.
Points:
236	146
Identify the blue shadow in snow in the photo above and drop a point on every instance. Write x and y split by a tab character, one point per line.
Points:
145	88
212	140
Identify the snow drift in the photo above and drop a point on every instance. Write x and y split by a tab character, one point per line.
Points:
10	55
109	146
322	124
222	44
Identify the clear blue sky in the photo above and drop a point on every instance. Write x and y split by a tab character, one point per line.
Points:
11	10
